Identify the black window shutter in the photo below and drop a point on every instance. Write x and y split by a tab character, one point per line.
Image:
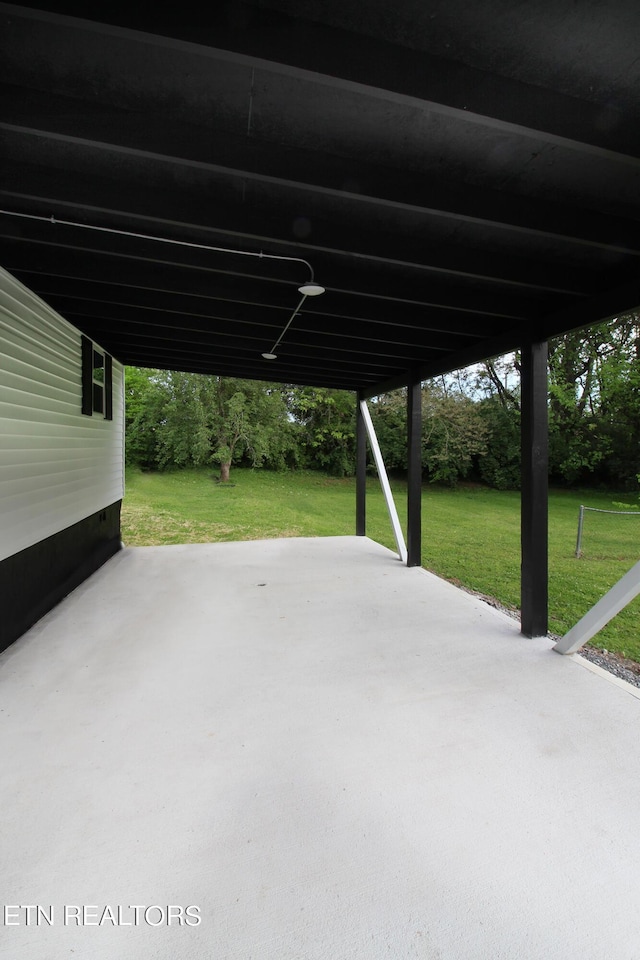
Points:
87	376
108	387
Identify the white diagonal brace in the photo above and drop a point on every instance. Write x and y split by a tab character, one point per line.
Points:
384	482
625	590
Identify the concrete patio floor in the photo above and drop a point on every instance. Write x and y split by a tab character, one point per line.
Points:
331	756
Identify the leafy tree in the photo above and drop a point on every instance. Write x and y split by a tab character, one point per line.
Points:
186	419
144	403
327	428
618	378
594	407
495	384
471	419
499	464
389	418
574	450
594	380
454	433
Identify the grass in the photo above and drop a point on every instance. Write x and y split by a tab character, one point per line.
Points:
471	535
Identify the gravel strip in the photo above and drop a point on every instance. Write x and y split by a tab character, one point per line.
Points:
619	666
627	670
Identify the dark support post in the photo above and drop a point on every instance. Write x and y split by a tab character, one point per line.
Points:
361	472
534	508
414	474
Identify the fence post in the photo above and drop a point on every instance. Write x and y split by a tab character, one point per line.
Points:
580	522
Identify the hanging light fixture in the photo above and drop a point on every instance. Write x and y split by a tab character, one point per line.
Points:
309	289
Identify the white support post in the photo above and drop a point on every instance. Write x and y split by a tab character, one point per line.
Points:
625	590
384	481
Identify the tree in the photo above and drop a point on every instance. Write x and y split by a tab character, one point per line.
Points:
618	378
574	447
594	407
594	383
471	419
454	434
389	418
499	464
327	428
144	404
186	419
496	386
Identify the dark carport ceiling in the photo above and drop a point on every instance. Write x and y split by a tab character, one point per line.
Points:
462	177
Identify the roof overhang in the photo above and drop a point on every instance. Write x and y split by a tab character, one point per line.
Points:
461	178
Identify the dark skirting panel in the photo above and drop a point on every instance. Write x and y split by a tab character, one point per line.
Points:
34	580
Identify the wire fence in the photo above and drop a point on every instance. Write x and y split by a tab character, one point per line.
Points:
610	539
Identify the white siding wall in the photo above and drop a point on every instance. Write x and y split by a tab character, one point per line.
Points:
56	465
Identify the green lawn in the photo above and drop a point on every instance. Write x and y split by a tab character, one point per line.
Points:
471	535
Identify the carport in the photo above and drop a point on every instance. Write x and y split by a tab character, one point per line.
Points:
335	756
462	179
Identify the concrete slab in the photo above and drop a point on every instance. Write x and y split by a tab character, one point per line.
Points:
329	755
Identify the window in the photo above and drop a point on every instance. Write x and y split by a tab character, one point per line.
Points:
98	381
97	369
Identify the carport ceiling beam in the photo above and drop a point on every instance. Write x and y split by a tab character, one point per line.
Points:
261	38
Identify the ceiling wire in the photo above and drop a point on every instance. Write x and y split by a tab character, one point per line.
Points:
181	243
145	236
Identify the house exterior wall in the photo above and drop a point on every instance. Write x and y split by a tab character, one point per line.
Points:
56	465
61	472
